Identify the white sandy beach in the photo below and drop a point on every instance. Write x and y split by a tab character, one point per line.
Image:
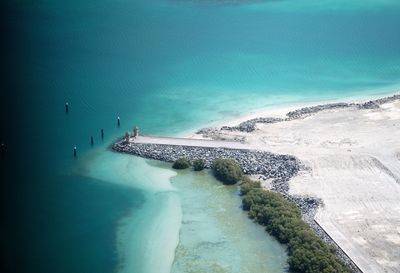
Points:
353	160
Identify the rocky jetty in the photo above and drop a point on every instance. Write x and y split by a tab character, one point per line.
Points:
278	167
250	125
306	111
269	165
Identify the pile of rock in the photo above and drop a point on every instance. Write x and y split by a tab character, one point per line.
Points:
368	105
279	168
372	104
208	131
250	125
252	162
387	99
306	111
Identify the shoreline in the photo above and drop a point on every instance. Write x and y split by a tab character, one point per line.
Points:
285	167
308	205
281	114
280	110
368	111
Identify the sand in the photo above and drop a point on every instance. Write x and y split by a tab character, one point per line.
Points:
353	164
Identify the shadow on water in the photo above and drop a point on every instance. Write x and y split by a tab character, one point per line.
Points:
65	220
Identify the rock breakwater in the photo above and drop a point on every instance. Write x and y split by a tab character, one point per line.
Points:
277	167
250	125
268	165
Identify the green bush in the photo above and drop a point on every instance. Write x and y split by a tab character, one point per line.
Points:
247	184
282	219
227	170
199	164
181	163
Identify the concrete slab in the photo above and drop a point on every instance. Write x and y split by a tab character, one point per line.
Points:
190	142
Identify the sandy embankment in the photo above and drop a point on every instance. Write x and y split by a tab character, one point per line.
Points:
354	167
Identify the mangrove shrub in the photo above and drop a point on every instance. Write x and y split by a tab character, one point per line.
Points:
181	163
227	170
247	184
282	219
198	164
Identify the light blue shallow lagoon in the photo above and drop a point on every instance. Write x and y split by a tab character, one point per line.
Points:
168	66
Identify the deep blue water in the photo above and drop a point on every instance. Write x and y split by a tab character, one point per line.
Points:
167	66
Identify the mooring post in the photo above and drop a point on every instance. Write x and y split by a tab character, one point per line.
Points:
91	140
102	133
74	151
66	107
119	121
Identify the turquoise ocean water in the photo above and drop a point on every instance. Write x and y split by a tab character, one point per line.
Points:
168	67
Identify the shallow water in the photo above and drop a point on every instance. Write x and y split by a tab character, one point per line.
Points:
167	66
216	235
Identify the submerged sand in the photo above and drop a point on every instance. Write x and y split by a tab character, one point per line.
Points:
352	159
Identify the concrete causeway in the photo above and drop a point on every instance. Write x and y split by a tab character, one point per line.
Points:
205	143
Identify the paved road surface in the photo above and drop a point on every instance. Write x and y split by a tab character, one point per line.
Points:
190	142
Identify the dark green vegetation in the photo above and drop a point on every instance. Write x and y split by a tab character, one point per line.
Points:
181	163
247	184
227	170
198	164
282	219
